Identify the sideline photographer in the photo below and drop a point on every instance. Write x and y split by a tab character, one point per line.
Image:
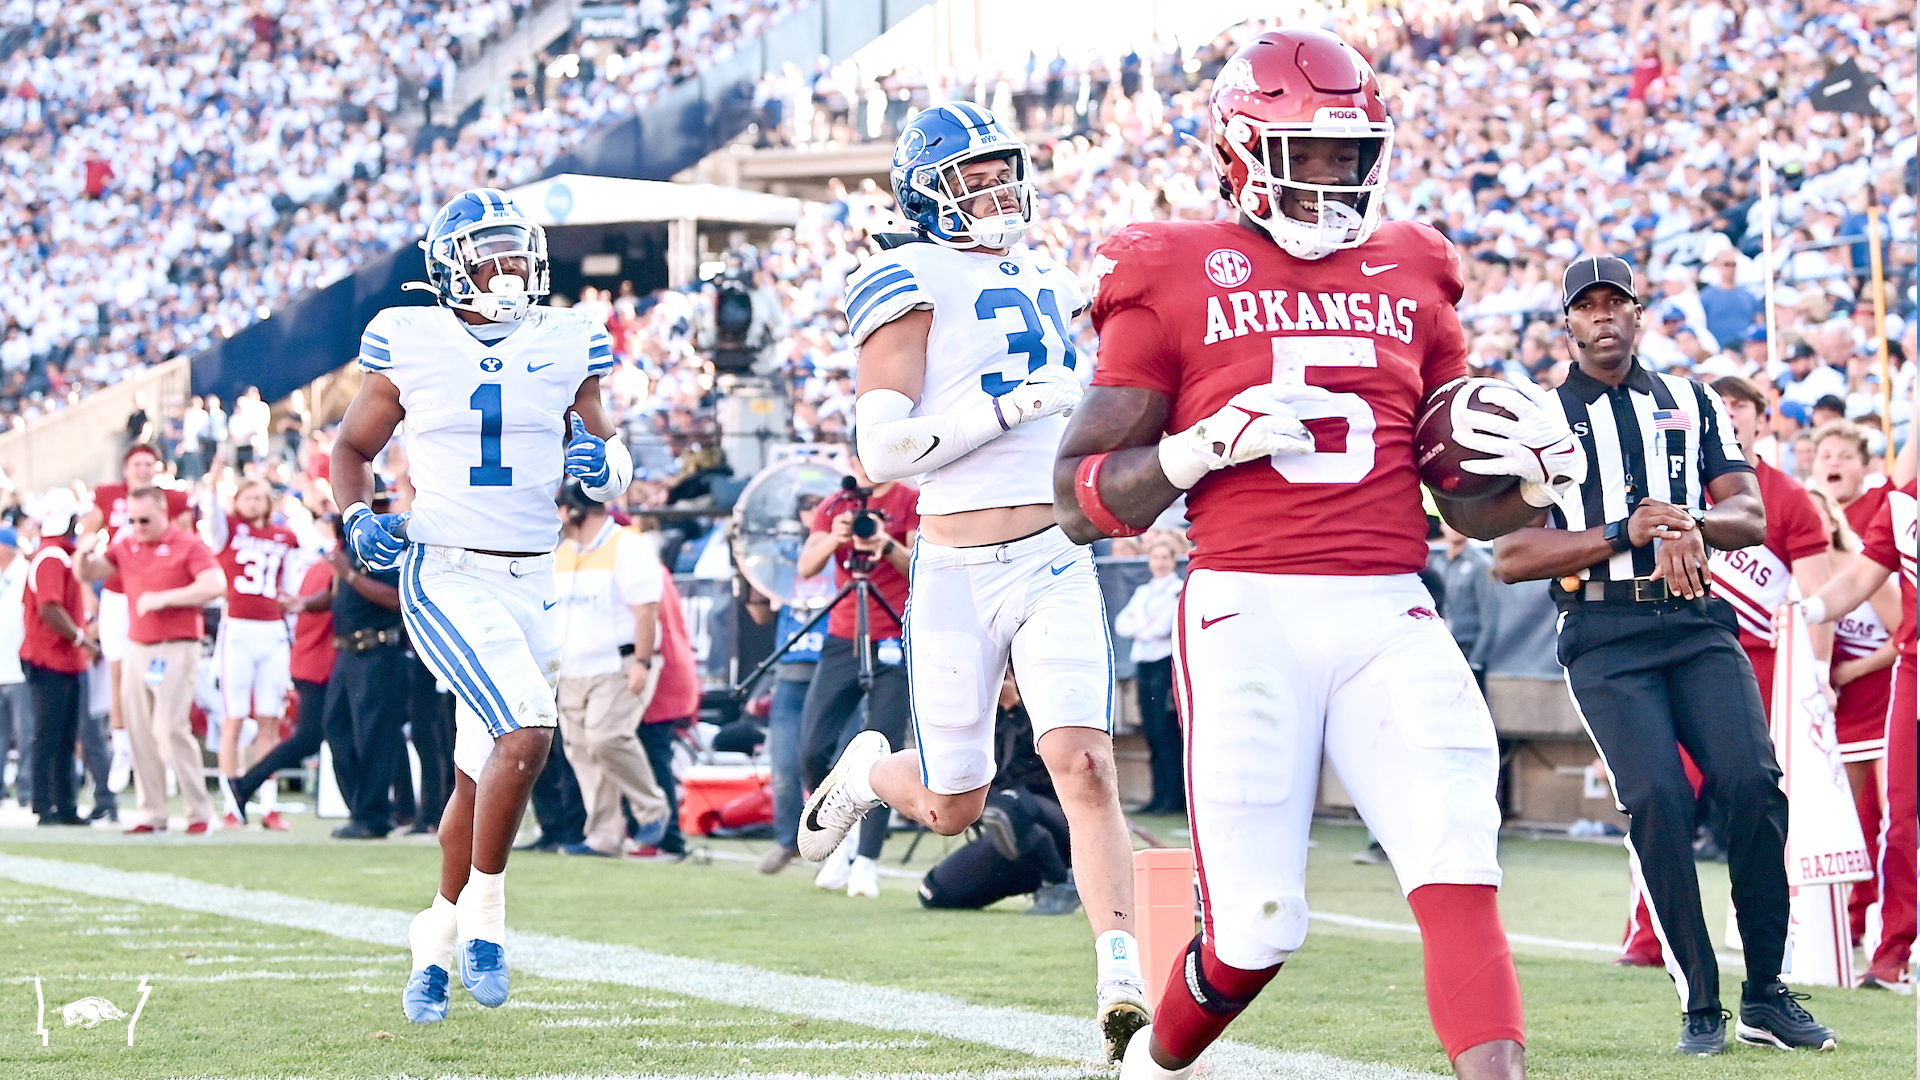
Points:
864	531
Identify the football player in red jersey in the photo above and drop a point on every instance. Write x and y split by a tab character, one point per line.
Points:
253	649
1271	367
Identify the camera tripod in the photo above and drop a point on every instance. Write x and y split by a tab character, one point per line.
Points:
859	586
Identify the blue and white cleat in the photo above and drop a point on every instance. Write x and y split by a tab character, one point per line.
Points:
483	970
425	998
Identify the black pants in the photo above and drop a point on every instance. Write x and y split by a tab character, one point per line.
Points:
366	707
1655	676
431	714
824	721
309	732
557	804
1160	724
977	874
657	741
56	712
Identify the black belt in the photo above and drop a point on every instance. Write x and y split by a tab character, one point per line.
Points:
360	641
1634	593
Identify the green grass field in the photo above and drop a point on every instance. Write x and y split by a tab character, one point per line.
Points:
251	991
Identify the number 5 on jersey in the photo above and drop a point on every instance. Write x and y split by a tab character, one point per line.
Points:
1342	425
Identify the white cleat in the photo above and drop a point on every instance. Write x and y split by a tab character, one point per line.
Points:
832	812
837	870
863	878
1138	1064
1123	1015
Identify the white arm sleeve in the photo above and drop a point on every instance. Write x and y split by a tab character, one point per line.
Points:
620	461
894	446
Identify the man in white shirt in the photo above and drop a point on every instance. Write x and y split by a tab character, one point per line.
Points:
16	706
607	583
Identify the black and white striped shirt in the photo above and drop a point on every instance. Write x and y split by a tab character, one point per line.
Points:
1652	437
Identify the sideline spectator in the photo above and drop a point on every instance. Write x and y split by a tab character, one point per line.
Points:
1465	571
16	702
54	650
140	466
676	701
169	576
310	663
1148	619
365	709
835	694
791	677
608	582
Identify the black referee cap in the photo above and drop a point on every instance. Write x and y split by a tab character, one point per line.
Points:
1590	270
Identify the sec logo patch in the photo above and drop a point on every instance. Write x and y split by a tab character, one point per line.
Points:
1227	268
490	364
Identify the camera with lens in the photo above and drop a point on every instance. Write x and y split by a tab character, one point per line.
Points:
866	523
734	348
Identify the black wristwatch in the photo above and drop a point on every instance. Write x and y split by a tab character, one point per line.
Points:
1616	534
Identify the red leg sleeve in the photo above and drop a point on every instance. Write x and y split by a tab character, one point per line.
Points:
1473	993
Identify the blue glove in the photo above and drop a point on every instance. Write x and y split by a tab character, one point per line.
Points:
587	455
377	540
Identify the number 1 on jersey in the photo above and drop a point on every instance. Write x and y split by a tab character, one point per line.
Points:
489	473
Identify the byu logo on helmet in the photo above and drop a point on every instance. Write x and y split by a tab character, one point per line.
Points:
480	233
928	182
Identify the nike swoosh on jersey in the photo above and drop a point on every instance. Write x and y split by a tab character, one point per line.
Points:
1206	622
1044	269
1370	271
930	449
542	367
548	606
1058	570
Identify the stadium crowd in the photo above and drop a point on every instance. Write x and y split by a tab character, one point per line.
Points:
171	173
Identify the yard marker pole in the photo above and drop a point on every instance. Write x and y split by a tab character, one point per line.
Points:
1163	912
40	1023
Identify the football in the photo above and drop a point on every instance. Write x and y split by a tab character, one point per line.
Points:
1439	456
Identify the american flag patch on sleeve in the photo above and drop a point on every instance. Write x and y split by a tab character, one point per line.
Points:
1672	420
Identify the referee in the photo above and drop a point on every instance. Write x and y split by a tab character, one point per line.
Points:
1654	660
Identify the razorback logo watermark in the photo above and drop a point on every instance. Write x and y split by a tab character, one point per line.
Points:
88	1012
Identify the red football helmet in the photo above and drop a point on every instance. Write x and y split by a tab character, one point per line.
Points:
1301	84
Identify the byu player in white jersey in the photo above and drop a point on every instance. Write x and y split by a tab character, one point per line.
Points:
501	401
966	374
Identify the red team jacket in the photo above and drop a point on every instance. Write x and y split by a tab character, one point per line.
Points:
1199	311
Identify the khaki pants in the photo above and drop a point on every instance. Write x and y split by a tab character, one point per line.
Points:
598	720
160	729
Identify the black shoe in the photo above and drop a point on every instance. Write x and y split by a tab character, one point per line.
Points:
105	812
1772	1016
997	824
540	844
419	828
1374	855
1055	899
1705	1032
239	797
68	818
357	830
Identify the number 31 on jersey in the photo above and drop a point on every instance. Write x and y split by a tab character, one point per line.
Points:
1030	339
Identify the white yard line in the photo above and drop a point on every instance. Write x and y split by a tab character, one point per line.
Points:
1038	1034
1726	959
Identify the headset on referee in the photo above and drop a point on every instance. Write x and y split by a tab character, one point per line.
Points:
1653	658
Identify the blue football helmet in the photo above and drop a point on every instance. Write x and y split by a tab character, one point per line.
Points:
480	226
928	187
